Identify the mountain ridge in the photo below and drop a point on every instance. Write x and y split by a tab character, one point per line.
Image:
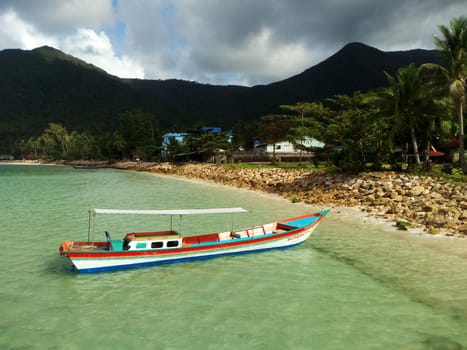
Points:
45	85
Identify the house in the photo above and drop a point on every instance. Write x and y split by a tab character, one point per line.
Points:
6	157
286	151
288	147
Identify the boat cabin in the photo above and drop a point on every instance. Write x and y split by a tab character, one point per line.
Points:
151	240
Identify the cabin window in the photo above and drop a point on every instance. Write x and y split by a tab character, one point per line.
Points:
140	245
172	244
155	245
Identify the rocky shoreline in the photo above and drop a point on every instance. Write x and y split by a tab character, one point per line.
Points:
419	202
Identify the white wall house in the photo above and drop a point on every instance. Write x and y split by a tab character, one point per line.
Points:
288	147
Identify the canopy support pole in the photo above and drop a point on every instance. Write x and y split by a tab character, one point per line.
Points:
89	226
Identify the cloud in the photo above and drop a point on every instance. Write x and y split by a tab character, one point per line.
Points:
15	33
60	17
64	28
97	48
215	41
209	42
268	40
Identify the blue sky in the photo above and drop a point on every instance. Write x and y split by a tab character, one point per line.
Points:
116	34
244	42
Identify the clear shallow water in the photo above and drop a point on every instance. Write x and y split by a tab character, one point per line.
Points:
350	286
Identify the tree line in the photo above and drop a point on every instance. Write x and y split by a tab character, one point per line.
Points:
137	136
136	133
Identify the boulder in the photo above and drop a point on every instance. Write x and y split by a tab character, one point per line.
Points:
416	191
428	208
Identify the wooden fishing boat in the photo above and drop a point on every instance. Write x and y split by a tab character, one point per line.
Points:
139	249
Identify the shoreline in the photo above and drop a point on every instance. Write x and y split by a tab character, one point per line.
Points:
430	206
352	213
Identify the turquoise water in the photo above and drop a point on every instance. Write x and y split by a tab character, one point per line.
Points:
352	285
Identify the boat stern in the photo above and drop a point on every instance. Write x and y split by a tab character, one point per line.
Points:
73	246
64	247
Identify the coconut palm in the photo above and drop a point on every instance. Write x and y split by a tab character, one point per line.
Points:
453	45
409	102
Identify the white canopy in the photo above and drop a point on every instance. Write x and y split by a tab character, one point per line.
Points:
94	212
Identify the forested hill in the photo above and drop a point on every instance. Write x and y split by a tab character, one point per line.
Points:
45	85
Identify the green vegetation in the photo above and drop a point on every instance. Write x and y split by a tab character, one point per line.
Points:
449	174
453	45
403	225
201	141
135	137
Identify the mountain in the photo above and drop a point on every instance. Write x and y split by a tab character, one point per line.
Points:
45	85
355	67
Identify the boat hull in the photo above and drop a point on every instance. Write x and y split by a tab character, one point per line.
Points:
98	262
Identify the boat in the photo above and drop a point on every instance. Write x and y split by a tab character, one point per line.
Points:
141	249
88	167
89	164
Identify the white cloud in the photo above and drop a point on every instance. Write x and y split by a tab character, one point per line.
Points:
97	49
15	33
83	43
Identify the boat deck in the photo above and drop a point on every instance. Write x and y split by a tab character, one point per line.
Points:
82	246
269	229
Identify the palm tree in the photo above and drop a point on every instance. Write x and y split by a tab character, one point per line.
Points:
410	103
453	45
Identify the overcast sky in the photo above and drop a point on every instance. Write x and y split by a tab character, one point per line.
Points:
245	42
